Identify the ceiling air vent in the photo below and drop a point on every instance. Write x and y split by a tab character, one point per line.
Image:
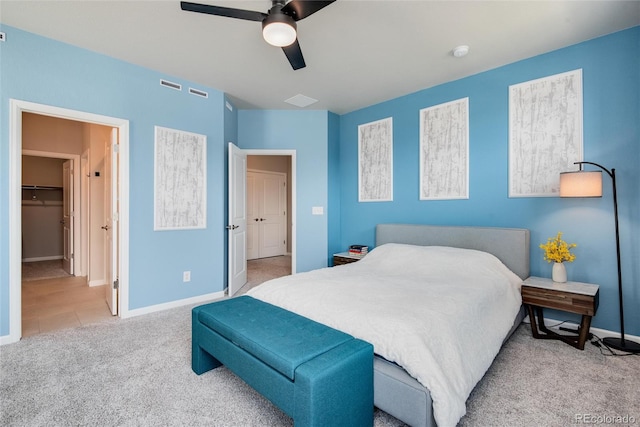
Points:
172	85
301	100
197	92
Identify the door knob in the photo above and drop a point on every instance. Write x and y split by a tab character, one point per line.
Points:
257	220
105	227
63	222
232	227
262	219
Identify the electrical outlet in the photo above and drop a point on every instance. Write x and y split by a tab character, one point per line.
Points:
3	36
186	276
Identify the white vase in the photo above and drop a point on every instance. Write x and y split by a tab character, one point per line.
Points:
559	272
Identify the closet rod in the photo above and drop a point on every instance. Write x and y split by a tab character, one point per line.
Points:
37	187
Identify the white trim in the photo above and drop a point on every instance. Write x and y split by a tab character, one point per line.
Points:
75	158
96	282
175	304
600	333
43	258
283	177
85	197
16	108
294	217
8	339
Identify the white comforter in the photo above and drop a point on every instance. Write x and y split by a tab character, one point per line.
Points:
439	312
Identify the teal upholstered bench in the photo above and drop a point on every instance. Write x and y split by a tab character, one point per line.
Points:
315	374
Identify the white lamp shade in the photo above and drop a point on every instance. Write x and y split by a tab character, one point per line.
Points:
581	184
279	34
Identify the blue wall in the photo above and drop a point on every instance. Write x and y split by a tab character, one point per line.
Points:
307	133
334	211
45	71
611	88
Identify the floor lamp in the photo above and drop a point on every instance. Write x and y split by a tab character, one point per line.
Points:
589	184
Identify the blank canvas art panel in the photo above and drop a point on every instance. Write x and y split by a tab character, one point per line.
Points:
545	133
180	197
375	161
444	151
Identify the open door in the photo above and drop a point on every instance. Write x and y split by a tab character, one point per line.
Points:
111	221
67	216
237	219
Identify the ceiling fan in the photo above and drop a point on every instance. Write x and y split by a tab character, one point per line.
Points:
278	26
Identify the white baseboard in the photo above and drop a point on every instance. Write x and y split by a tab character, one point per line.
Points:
97	282
8	339
173	304
600	333
42	258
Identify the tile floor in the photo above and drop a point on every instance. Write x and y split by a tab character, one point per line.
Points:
67	302
59	303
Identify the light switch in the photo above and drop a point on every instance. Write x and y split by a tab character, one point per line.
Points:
317	210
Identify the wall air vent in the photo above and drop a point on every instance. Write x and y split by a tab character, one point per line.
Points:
172	85
197	92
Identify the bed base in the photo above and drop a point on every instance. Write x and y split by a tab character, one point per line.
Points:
395	391
400	395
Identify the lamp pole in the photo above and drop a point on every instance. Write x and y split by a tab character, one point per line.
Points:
617	343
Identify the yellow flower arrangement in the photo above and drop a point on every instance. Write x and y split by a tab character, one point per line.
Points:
557	250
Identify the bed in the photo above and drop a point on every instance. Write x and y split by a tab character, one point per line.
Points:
437	303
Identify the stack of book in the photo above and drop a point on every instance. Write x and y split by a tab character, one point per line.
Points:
358	250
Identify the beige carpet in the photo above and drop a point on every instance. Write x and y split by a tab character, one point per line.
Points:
263	269
43	270
137	372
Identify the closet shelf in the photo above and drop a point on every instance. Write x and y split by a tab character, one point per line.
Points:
40	187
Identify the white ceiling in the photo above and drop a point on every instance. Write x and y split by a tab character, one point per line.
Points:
358	53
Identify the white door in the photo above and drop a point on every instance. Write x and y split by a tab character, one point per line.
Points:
237	219
253	215
266	221
67	216
111	221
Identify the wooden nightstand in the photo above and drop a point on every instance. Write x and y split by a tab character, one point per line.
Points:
344	258
574	297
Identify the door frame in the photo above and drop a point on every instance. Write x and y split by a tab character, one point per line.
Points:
292	191
16	108
236	224
283	176
75	158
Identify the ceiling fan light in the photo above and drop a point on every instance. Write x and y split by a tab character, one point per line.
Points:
279	30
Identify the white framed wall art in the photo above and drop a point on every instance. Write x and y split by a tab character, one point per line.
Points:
444	151
375	161
180	178
545	133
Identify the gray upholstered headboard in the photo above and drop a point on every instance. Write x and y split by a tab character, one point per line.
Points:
509	245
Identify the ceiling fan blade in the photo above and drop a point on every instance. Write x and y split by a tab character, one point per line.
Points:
294	55
248	15
300	9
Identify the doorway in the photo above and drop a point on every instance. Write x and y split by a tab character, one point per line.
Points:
266	213
55	285
119	225
269	161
